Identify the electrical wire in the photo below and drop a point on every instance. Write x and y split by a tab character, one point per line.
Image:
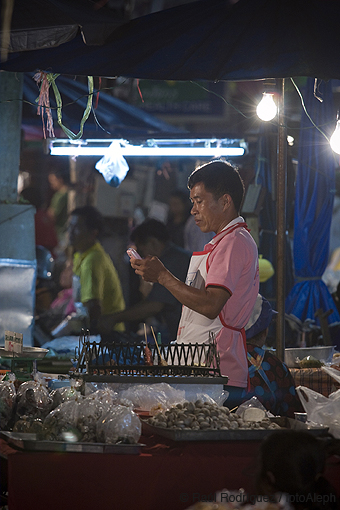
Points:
221	97
305	110
194	83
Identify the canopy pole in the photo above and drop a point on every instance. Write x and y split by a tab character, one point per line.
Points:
281	185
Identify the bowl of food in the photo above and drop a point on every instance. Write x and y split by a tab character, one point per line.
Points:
294	355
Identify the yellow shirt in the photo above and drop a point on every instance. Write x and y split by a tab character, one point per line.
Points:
99	280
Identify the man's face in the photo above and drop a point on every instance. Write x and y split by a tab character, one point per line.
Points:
55	182
208	212
80	237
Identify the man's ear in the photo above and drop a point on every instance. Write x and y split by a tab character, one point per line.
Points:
227	201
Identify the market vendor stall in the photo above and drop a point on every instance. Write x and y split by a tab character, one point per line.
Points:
316	379
115	460
166	474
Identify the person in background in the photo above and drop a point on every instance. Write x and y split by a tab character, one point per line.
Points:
293	462
45	233
270	379
222	281
290	475
179	212
95	279
151	238
58	209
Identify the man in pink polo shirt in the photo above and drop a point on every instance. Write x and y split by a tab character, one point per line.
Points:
223	280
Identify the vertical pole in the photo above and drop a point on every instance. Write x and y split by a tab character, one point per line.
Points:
11	85
281	224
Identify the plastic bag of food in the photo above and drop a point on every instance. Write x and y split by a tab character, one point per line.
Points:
61	423
29	426
106	395
152	396
252	410
7	402
91	410
33	399
120	425
212	393
320	409
69	392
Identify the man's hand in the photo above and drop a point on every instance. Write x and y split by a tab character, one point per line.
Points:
150	268
206	301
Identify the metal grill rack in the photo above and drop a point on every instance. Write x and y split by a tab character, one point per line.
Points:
134	362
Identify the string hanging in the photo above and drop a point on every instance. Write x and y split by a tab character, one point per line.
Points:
46	80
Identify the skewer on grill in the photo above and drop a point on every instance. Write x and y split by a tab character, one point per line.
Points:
161	361
147	352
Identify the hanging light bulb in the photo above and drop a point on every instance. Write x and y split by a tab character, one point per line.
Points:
266	109
335	139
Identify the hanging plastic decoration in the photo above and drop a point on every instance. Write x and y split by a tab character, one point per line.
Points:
44	103
46	80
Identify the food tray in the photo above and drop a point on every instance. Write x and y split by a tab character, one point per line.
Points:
229	435
149	379
27	352
29	442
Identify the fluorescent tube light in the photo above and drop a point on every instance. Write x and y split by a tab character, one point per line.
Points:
180	148
149	151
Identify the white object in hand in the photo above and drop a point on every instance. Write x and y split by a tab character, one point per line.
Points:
133	254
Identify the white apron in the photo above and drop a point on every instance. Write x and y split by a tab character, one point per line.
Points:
193	326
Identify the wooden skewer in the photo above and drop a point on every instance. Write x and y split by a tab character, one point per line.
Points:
146	336
147	352
162	361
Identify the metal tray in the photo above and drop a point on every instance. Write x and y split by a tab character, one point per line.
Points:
229	435
27	352
29	442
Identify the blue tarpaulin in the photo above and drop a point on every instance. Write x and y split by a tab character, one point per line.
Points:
266	177
315	184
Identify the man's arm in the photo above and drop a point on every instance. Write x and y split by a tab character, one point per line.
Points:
94	310
208	301
138	312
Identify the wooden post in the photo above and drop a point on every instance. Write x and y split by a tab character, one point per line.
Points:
281	186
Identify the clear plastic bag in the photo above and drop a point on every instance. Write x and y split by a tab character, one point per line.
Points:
212	393
120	425
90	411
106	395
321	410
252	410
150	397
7	402
69	392
33	399
29	426
61	423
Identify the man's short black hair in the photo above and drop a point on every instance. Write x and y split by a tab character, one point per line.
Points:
150	228
219	178
92	217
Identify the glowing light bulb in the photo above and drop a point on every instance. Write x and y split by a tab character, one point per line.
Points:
266	109
335	139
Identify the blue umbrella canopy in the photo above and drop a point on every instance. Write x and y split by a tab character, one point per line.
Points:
207	39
